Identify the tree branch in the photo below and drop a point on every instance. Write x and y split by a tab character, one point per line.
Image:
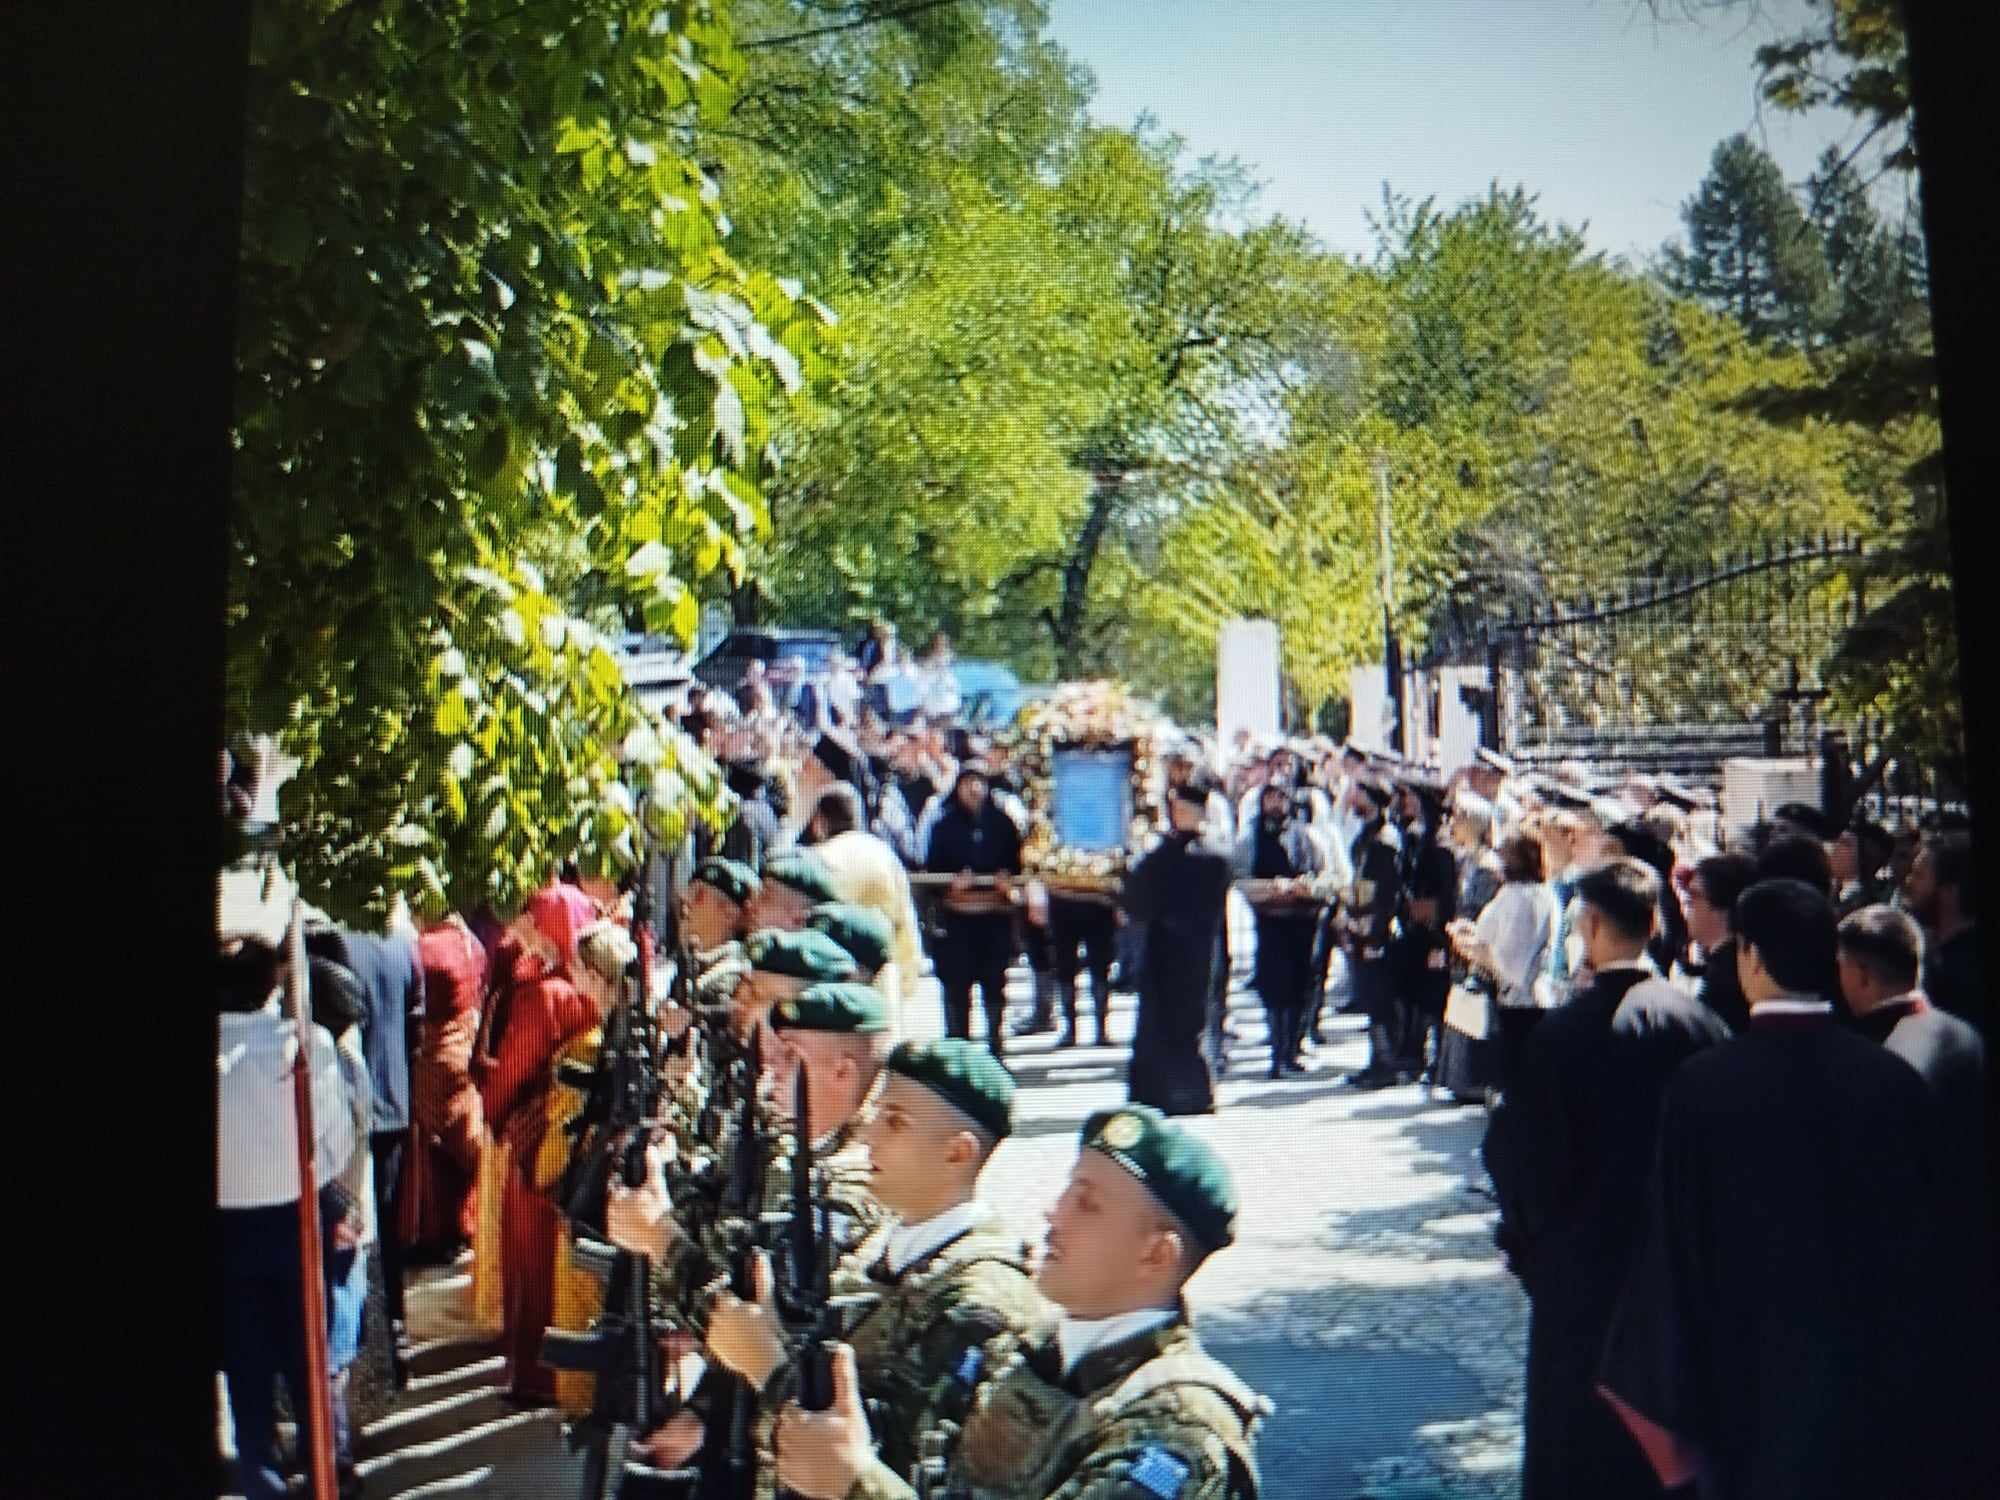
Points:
853	25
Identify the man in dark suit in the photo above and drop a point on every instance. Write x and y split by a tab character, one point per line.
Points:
974	943
1712	891
1568	1148
1777	1338
1941	896
1881	957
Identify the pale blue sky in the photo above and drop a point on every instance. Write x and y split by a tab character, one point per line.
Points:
1610	116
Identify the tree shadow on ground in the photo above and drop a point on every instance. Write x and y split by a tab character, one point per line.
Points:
1407	1360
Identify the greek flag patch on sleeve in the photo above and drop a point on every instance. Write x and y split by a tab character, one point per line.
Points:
1158	1472
968	1367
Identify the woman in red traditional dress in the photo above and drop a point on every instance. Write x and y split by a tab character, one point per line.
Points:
542	1013
439	1207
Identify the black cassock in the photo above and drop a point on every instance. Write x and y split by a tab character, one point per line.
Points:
1568	1148
1951	1059
1779	1316
1179	890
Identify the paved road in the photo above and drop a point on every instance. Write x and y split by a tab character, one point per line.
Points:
1364	1295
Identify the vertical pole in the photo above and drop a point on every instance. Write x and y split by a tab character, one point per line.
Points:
1392	656
1490	730
317	1398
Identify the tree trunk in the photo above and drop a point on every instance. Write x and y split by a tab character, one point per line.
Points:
1067	626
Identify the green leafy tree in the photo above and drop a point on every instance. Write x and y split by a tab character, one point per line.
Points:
1901	660
1749	250
1874	273
485	306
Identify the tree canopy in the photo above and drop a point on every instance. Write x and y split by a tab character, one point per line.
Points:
484	296
560	321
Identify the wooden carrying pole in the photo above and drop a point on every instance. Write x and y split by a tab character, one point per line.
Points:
316	1401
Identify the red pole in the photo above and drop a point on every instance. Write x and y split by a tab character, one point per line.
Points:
316	1401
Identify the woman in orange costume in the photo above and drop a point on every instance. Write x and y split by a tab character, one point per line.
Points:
603	953
544	1012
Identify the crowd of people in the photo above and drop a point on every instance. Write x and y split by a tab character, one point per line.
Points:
1734	1100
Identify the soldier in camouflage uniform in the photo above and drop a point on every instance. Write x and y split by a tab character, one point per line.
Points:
777	968
794	882
1114	1399
715	906
946	1277
839	1030
862	931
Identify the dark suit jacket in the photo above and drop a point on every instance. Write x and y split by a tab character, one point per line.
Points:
1952	977
1720	989
393	978
1950	1057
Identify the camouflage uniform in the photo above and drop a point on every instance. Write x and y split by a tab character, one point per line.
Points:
910	1347
699	1263
1150	1418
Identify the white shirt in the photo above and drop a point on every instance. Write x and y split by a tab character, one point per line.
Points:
909	1243
1518	923
1792	1005
257	1152
940	690
842	694
1079	1337
1220	834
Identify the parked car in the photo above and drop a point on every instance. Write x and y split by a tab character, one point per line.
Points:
658	670
724	666
990	695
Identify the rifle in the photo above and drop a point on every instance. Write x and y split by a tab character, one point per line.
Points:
729	1466
811	1305
808	1270
622	1349
622	1091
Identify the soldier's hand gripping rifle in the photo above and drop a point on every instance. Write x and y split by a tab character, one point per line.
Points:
622	1092
729	1457
807	1300
622	1349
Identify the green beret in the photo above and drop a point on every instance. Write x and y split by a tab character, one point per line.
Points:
803	871
1178	1168
863	931
736	881
966	1076
811	956
843	1007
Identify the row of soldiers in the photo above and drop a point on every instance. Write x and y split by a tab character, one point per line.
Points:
968	1364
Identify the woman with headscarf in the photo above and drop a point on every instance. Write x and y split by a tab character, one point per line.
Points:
438	1204
544	1010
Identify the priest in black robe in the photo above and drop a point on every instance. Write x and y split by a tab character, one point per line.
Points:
1179	890
1881	959
1774	1341
1568	1149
